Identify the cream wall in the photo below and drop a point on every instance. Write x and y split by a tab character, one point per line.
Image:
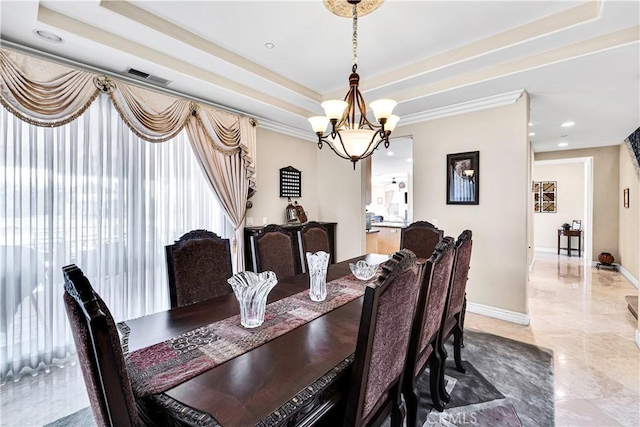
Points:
275	151
605	194
341	191
629	238
499	269
570	203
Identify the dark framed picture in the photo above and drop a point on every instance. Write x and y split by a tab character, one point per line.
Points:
625	198
463	178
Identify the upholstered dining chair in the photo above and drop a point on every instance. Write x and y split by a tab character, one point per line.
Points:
273	250
381	347
198	266
102	361
423	345
313	237
421	238
455	306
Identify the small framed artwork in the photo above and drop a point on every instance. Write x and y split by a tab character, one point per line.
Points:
548	196
625	198
463	178
576	224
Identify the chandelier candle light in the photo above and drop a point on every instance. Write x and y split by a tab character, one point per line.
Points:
352	135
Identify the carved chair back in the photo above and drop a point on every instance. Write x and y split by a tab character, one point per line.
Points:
198	266
455	300
383	339
423	344
99	352
313	237
421	238
273	250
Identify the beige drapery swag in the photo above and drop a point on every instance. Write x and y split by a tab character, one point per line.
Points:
47	94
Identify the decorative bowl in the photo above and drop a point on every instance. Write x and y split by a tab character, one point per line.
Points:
606	258
363	270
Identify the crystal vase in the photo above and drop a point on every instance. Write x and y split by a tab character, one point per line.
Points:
251	290
318	263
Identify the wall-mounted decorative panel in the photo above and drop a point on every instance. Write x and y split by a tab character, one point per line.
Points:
545	196
290	182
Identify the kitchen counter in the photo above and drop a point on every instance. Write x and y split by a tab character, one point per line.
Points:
389	224
372	231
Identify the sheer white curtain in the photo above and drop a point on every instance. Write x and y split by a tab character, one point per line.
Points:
93	194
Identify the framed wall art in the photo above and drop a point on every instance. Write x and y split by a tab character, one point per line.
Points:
544	197
290	182
463	178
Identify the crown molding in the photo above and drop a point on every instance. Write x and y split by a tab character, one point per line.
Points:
287	130
493	101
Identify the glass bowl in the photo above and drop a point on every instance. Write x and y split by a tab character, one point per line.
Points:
363	270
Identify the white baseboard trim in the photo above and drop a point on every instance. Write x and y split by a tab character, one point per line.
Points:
547	250
498	313
638	339
629	277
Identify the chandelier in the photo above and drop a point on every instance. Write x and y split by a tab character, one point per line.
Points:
352	136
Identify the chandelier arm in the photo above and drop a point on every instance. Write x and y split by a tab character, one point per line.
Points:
362	106
326	140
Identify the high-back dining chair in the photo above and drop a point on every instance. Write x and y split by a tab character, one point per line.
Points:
381	347
273	250
198	266
313	237
455	306
103	364
99	352
421	237
423	345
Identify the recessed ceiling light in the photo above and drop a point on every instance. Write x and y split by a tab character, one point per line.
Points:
409	160
389	153
269	45
531	123
532	134
567	124
563	144
48	36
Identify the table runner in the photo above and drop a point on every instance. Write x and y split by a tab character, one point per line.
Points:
162	366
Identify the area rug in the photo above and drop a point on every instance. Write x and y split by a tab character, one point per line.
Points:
507	383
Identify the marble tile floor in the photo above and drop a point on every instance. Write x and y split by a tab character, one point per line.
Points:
580	313
577	311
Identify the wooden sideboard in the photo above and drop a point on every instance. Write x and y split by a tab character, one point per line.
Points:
293	231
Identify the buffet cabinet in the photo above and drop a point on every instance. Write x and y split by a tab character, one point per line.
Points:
292	229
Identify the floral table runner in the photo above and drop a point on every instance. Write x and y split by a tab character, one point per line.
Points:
162	366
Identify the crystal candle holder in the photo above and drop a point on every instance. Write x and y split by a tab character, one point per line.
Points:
363	270
251	290
317	263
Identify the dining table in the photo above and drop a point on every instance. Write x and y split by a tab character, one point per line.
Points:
293	379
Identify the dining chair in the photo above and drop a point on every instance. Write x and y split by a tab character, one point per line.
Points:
313	237
198	266
381	346
423	345
273	250
453	323
421	237
103	365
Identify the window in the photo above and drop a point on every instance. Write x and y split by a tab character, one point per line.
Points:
89	193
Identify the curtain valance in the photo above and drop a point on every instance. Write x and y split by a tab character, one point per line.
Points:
49	94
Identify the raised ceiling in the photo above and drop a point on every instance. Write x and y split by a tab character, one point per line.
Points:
578	60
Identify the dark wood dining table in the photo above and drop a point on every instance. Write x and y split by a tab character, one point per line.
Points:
290	380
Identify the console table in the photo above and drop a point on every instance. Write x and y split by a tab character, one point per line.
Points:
569	234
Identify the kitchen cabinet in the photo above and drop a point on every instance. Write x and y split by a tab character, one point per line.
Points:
372	242
388	239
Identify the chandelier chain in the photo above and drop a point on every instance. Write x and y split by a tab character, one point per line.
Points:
355	36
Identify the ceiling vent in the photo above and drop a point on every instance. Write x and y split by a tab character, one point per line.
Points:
141	75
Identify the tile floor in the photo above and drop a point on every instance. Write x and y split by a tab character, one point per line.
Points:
580	313
576	310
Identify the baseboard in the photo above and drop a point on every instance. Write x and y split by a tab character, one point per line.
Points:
628	276
498	313
547	250
638	339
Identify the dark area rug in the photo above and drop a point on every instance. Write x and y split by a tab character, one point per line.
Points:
507	383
